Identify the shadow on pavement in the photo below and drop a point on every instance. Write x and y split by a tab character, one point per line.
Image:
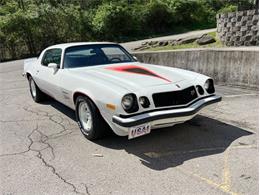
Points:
170	147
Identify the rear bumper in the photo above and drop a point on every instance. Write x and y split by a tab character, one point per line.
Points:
183	114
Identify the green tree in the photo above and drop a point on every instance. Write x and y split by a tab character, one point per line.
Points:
113	21
159	18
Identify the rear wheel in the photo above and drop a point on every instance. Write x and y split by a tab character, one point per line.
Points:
36	93
90	121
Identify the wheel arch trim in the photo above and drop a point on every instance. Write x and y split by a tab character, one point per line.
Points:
78	93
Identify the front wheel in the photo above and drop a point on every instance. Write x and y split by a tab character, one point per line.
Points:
90	121
36	93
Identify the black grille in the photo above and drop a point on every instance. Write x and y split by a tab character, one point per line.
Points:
174	98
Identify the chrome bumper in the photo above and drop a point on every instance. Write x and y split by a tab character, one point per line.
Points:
138	119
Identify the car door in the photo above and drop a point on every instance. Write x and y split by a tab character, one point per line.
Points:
48	77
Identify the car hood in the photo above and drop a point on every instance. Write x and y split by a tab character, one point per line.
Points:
134	76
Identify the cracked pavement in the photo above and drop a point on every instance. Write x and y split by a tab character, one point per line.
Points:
43	152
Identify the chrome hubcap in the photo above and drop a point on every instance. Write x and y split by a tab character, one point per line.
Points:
33	88
85	116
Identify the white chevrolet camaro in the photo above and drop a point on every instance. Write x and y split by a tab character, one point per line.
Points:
108	88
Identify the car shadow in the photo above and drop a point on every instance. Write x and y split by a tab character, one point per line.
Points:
170	147
60	107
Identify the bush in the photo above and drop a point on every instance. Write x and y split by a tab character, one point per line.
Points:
192	13
114	21
228	8
32	29
158	18
26	26
138	13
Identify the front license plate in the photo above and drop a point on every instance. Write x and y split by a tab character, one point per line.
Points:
138	131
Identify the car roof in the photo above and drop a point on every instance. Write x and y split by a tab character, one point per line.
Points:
66	45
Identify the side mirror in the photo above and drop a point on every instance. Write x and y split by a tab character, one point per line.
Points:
135	58
53	65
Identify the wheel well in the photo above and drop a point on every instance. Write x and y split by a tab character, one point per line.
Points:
77	94
28	75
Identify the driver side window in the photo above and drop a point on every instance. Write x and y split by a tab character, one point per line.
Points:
51	56
114	54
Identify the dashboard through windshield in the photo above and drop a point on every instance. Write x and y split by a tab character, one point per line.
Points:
96	54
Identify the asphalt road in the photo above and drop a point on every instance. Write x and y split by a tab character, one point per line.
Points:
43	152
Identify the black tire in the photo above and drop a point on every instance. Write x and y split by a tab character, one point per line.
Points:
99	127
39	95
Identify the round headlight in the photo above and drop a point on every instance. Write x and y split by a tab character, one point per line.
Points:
200	89
129	103
206	85
209	86
144	101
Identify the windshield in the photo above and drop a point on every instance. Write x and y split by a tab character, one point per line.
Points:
92	55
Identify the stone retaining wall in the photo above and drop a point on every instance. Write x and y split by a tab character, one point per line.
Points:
239	28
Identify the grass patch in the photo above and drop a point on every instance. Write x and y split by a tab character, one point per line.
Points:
217	44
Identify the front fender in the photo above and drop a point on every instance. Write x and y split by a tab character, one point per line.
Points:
102	98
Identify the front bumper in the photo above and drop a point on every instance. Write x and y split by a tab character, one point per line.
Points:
184	113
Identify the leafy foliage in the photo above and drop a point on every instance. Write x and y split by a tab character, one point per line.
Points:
155	17
113	21
228	8
28	26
